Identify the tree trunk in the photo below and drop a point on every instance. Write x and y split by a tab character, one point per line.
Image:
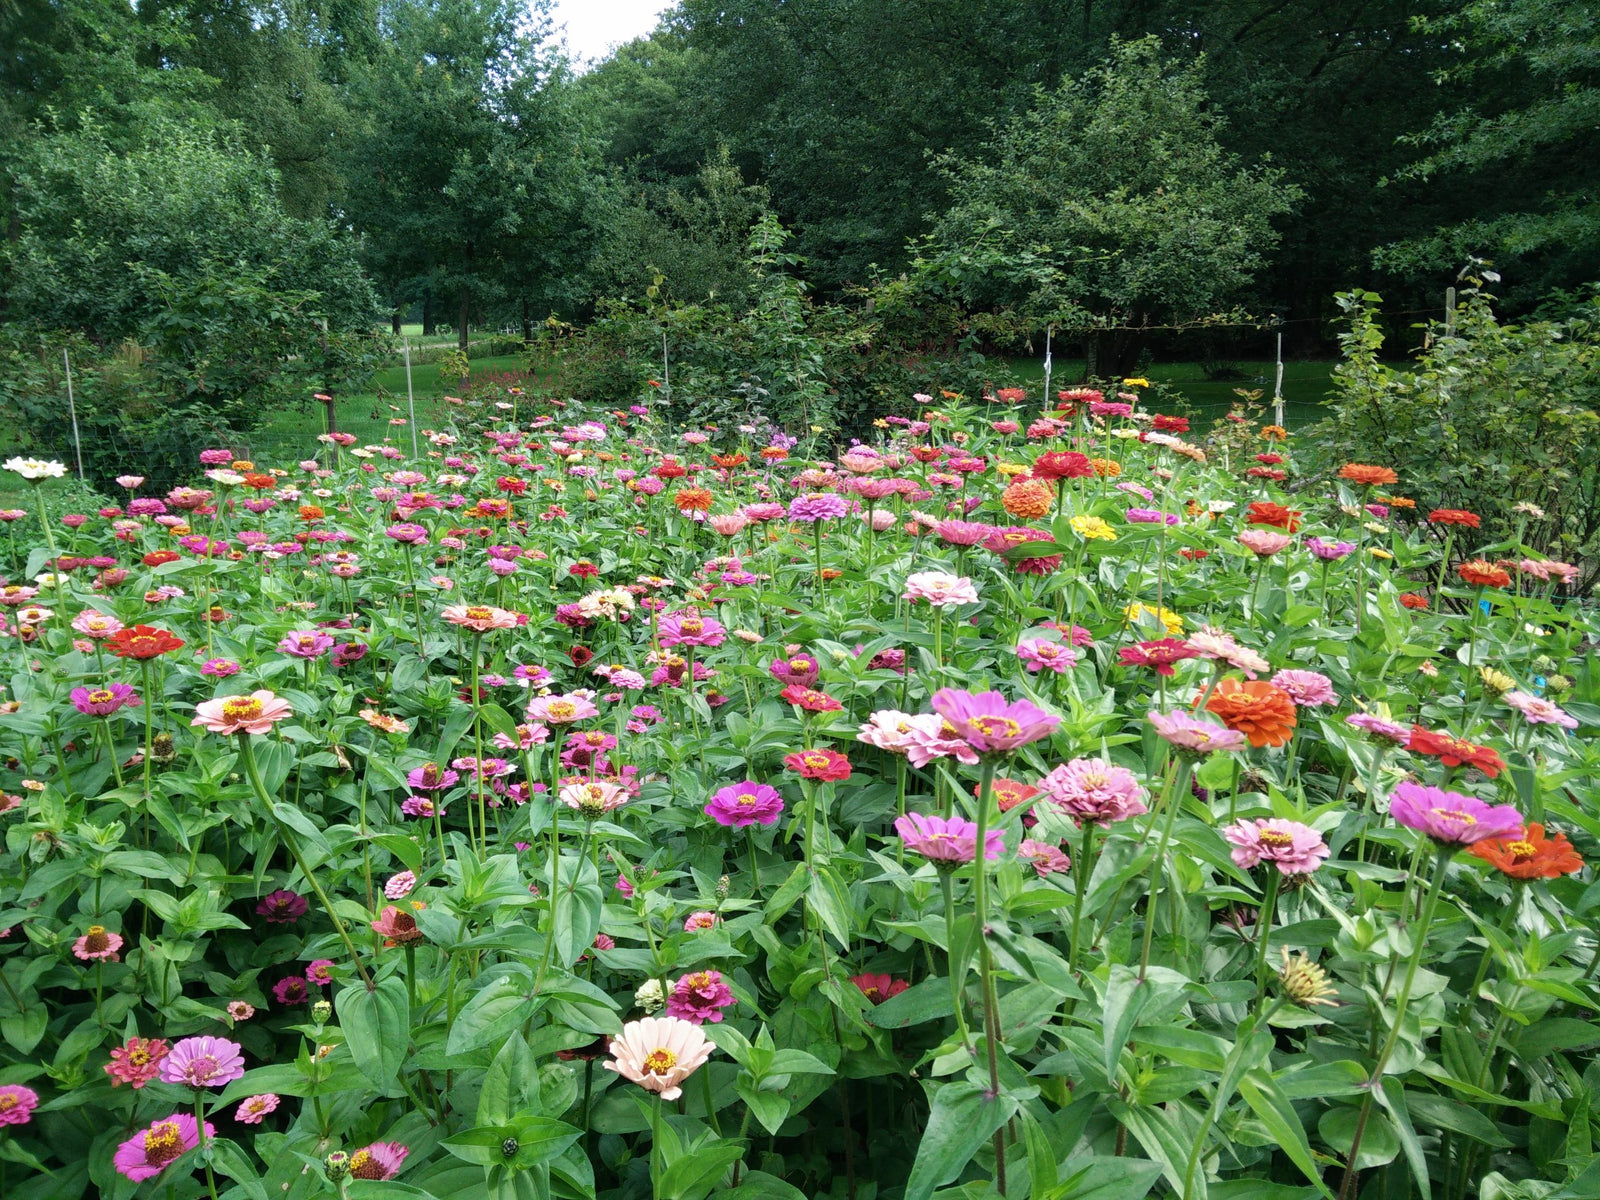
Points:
527	323
395	321
430	320
465	317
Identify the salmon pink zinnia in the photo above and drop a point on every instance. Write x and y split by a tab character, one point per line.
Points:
256	713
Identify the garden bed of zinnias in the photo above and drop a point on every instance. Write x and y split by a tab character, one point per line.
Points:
1039	803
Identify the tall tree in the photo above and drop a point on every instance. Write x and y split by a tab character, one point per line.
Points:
470	169
1110	205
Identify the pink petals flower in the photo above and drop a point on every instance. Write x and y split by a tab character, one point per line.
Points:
138	1062
98	945
1195	736
1537	711
1308	689
203	1062
743	804
256	713
949	840
991	724
1450	818
253	1109
380	1160
145	1155
659	1053
17	1104
1091	790
1295	849
940	589
700	997
480	618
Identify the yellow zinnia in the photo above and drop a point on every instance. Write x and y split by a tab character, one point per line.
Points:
1093	529
1170	620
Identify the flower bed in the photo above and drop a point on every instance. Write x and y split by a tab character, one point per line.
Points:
1053	805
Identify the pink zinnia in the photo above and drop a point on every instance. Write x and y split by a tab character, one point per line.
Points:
1538	711
94	624
138	1062
962	533
17	1104
1295	849
400	885
891	730
700	997
690	629
1308	689
800	669
697	921
480	618
1449	818
98	945
256	713
744	804
990	723
934	737
380	1160
103	701
1193	735
940	589
1160	655
1039	654
947	839
816	506
1380	727
561	710
203	1062
1046	859
1263	542
145	1155
1090	790
431	777
251	1110
310	643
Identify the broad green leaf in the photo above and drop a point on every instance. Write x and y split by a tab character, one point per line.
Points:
963	1117
377	1027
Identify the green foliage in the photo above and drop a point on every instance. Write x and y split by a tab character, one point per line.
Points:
1111	202
1491	415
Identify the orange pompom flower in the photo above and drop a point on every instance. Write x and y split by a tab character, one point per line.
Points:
1263	713
1265	512
1028	498
692	499
1454	751
1530	856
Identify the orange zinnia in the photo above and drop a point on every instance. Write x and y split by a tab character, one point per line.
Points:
1106	468
692	499
1028	498
1368	474
1531	856
1263	713
1455	516
1265	512
1454	751
1483	574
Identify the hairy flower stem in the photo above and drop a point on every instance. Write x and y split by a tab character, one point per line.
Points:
947	888
1264	916
200	1134
1081	876
1172	797
1419	941
980	910
247	754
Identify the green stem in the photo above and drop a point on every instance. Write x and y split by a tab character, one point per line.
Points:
947	887
200	1133
248	755
1172	797
980	912
1264	916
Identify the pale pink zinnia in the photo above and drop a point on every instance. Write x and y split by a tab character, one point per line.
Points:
561	710
480	618
934	737
1093	790
1219	646
1263	542
940	589
659	1053
1038	654
891	730
1295	849
1308	689
1046	859
1538	711
254	1108
947	839
203	1062
256	713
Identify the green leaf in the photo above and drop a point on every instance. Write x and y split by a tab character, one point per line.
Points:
830	900
1379	1145
963	1117
1126	997
1103	1179
929	1000
694	1175
377	1027
497	1008
505	1081
1272	1107
1392	1096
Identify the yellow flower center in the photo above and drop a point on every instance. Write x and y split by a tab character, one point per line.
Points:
364	1166
799	664
478	612
747	799
162	1142
1522	851
659	1062
101	696
241	708
996	726
1451	814
1275	840
563	710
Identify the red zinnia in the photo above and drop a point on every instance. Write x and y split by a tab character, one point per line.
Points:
156	557
809	699
1413	600
1062	464
1166	424
1265	512
1160	655
827	765
1454	751
142	642
879	988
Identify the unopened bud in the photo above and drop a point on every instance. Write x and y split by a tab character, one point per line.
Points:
1304	982
336	1166
321	1011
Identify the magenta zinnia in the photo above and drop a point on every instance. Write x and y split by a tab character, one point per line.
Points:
991	724
1451	819
203	1062
1295	849
700	997
947	839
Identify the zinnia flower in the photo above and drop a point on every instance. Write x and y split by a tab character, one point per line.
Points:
1368	475
940	589
1308	689
256	713
878	988
98	945
282	907
142	642
1455	516
1263	713
950	840
480	618
1530	854
145	1155
1454	751
138	1062
1160	655
991	724
743	804
1264	543
1481	573
1195	736
1046	859
203	1062
827	765
380	1160
1039	654
700	997
816	506
17	1104
1091	790
254	1108
397	926
1538	711
1264	512
1295	849
308	644
103	701
659	1053
1451	819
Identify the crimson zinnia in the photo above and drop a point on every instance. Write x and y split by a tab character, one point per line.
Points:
141	642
